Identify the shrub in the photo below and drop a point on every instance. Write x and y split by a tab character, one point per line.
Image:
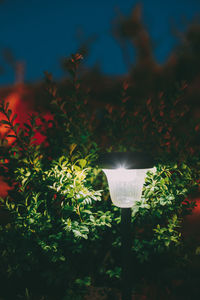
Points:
53	216
62	232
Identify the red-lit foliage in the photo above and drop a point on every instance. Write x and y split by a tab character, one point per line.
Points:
21	111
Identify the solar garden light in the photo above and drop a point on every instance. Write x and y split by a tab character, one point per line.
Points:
125	174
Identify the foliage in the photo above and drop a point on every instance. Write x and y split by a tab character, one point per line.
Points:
158	125
53	217
163	126
62	232
162	207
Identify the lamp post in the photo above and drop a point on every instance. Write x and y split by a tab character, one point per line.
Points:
125	174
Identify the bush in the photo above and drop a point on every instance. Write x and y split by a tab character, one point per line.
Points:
54	219
62	232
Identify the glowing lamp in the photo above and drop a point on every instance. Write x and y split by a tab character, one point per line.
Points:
126	174
125	185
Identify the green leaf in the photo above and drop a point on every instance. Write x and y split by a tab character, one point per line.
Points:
82	163
14	117
9	112
72	147
28	126
5	122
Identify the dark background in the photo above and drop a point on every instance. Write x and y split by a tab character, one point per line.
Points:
41	32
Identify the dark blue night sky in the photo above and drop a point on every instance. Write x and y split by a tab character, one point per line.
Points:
40	32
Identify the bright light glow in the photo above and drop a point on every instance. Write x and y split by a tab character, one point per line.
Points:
125	185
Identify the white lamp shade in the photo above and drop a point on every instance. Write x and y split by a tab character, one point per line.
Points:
125	185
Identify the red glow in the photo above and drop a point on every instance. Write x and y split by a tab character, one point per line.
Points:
23	109
4	188
13	99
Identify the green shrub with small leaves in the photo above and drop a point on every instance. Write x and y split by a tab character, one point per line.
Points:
166	200
158	126
62	233
54	222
